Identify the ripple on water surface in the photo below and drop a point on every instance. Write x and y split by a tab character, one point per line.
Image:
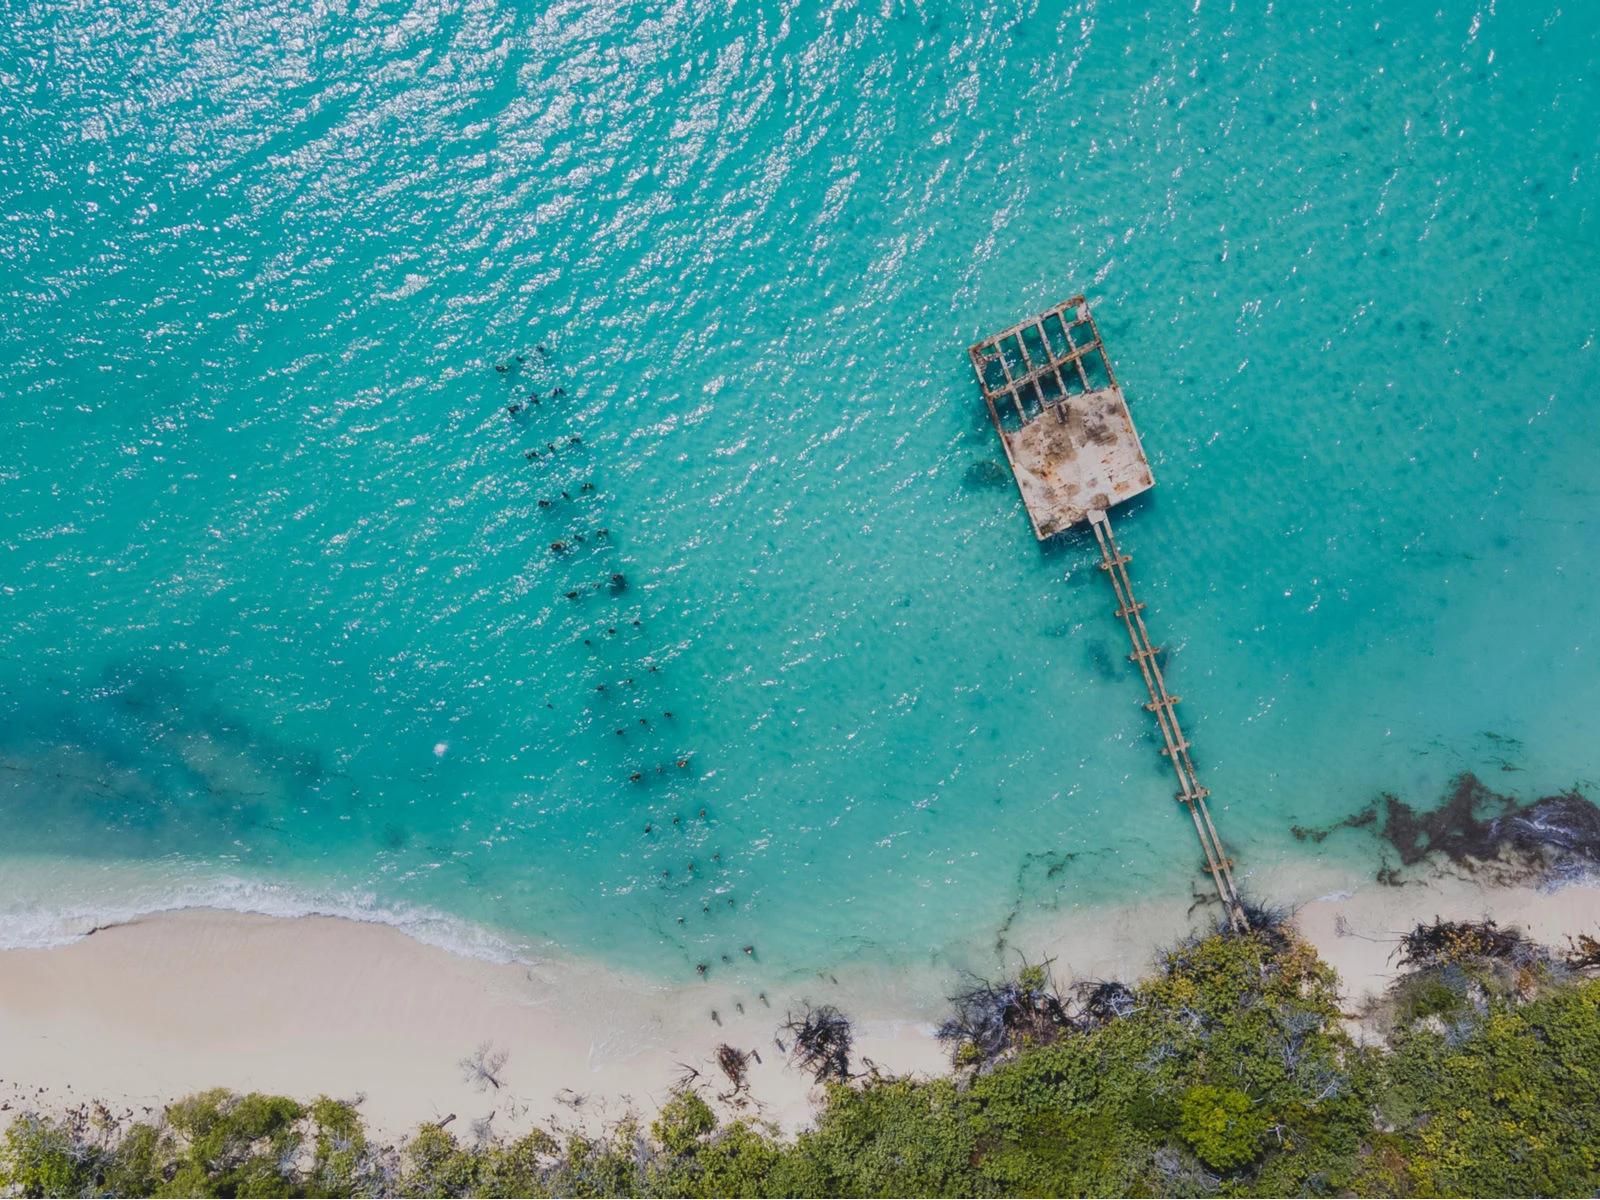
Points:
520	462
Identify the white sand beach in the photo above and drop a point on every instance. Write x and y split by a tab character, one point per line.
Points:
141	1013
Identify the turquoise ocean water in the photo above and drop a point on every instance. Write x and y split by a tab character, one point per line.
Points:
280	621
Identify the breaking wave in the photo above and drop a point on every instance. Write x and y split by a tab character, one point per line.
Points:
46	904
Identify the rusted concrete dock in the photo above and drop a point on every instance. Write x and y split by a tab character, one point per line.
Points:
1061	417
1070	440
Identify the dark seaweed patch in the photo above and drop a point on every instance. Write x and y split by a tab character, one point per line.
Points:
987	474
1101	659
735	1065
1359	820
1553	835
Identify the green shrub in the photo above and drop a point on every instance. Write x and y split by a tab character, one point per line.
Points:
436	1165
234	1145
1222	1125
682	1122
1231	1058
40	1157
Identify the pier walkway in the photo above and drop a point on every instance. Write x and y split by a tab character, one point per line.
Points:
1165	706
1072	446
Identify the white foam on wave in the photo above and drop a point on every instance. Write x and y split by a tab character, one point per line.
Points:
48	904
1570	873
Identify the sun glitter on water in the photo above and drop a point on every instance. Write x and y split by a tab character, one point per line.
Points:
281	612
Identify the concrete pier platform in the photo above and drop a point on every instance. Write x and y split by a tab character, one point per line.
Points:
1054	400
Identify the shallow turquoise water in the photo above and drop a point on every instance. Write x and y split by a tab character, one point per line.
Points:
278	609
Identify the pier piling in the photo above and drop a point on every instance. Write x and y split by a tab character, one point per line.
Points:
1072	446
1165	705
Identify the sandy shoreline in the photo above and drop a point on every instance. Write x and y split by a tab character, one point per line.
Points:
141	1013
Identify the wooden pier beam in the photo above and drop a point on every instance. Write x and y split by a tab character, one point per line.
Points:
1176	749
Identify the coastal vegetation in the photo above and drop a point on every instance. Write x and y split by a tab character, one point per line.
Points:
1229	1071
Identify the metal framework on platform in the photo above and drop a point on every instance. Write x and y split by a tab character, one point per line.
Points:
1074	451
1061	417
